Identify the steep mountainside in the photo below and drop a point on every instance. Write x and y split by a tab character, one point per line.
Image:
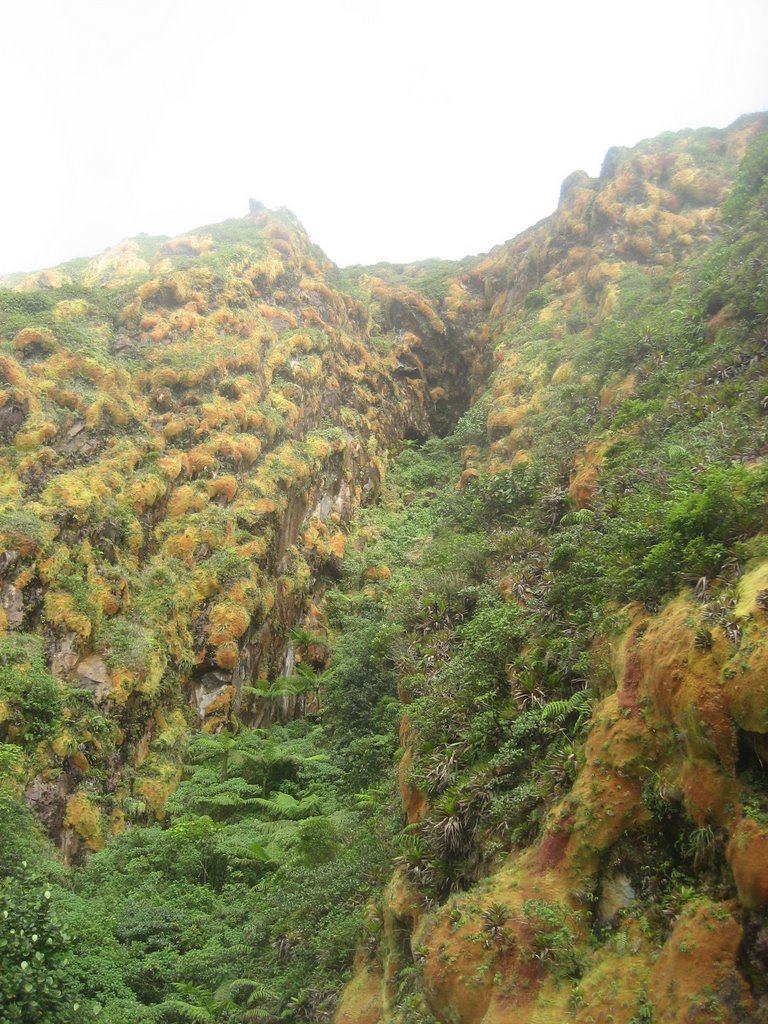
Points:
212	590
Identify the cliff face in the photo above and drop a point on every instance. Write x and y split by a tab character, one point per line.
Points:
190	428
189	425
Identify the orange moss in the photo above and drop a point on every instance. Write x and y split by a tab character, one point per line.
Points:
33	437
60	611
362	1000
117	823
225	486
83	816
710	795
378	572
466	476
610	990
185	499
585	473
30	337
748	857
695	979
338	545
563	372
226	656
227	622
507	418
156	790
80	761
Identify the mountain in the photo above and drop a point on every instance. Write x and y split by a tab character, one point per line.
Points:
265	521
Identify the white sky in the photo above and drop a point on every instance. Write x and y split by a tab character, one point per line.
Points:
394	130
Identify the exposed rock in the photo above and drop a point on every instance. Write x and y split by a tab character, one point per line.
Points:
7	558
205	700
48	802
12	601
211	687
616	895
64	655
577	179
92	673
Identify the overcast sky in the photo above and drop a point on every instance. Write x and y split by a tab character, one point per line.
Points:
394	130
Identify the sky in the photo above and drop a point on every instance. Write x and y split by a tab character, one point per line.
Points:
394	130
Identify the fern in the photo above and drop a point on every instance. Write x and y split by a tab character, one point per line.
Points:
557	712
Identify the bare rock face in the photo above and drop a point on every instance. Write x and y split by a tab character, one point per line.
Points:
92	674
617	894
65	655
12	601
7	558
48	802
211	686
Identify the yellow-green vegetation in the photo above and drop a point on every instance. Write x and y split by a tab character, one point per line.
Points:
402	628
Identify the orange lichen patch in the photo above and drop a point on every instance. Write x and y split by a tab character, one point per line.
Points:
507	418
606	804
378	572
585	471
84	817
710	795
33	437
185	499
750	586
617	392
338	544
684	683
458	981
228	622
31	337
156	789
563	372
748	857
60	611
746	686
362	1001
226	657
552	847
224	486
695	979
414	801
610	990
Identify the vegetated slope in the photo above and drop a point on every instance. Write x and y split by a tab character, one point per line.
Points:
190	425
585	638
